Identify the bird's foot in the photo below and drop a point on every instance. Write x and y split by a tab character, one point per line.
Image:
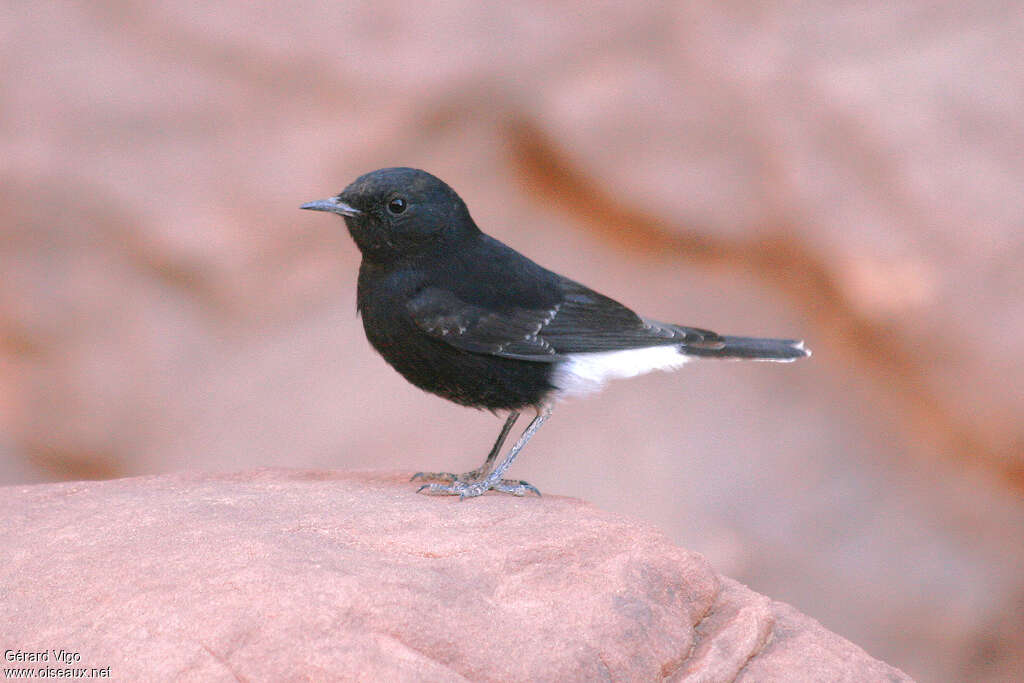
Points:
470	489
435	476
466	477
517	487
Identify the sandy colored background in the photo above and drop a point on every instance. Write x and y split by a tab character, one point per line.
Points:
846	172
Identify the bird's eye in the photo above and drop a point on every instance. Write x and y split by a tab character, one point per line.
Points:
396	205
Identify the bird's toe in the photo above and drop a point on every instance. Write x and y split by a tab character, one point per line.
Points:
515	487
435	476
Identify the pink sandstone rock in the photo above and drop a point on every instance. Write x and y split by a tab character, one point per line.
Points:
287	575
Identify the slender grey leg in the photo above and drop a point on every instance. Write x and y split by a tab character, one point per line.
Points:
493	480
479	472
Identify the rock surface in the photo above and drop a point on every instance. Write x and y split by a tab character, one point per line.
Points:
281	575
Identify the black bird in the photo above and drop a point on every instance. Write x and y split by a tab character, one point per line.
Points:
463	316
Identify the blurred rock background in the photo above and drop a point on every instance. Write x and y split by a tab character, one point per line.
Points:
846	172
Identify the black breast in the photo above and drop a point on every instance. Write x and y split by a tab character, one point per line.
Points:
470	379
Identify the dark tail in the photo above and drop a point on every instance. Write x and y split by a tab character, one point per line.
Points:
752	348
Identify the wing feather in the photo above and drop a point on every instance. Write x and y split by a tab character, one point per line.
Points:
580	321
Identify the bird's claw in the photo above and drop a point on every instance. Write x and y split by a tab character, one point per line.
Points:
464	489
516	487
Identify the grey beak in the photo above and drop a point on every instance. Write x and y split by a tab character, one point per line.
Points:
333	205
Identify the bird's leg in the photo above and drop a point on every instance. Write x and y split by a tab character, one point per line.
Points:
493	480
484	470
479	472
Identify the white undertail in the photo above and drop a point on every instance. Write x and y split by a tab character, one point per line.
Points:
585	373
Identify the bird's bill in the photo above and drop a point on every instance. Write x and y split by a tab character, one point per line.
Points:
332	205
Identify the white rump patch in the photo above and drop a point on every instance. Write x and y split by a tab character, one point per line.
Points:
584	373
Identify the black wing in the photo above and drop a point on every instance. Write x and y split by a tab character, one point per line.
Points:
580	321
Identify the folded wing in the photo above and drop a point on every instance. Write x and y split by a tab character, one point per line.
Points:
579	321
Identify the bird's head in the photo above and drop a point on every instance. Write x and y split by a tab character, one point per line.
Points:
395	214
